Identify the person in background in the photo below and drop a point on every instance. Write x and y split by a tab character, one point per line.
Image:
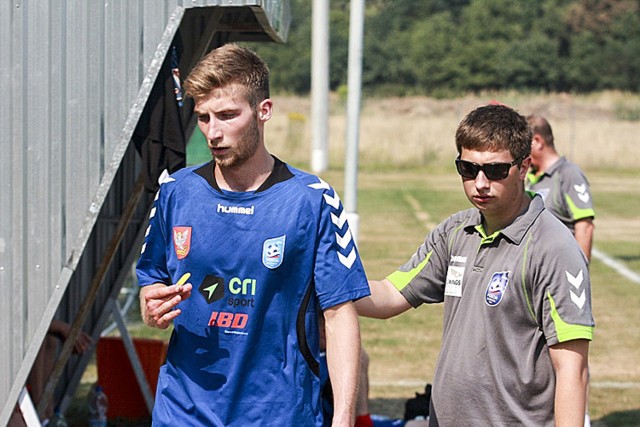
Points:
517	315
242	255
564	188
561	183
44	364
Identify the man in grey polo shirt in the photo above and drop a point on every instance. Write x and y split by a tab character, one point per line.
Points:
561	183
517	315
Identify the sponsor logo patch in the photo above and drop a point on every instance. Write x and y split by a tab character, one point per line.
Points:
212	288
453	283
496	288
273	252
182	241
238	210
225	319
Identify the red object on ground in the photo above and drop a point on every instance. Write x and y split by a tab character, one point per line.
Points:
116	376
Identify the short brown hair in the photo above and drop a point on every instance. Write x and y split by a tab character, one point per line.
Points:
540	126
495	128
226	65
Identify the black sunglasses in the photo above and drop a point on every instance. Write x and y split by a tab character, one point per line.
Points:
493	171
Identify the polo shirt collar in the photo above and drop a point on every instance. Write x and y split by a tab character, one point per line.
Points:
557	165
515	231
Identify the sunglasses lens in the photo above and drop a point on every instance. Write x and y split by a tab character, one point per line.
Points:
493	171
467	169
496	171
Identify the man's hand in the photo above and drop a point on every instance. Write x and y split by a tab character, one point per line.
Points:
62	330
158	302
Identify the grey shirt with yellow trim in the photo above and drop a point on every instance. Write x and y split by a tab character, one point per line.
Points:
565	191
507	298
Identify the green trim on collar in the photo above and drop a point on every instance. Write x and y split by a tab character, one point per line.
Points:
533	178
486	239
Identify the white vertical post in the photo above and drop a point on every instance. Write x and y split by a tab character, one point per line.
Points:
356	34
319	85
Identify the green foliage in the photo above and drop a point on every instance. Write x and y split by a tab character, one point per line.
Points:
444	47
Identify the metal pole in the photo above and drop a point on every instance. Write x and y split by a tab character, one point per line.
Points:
319	85
356	34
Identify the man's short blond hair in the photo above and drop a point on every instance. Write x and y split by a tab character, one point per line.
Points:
227	65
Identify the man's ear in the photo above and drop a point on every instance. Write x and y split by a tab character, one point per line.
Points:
537	142
265	109
524	168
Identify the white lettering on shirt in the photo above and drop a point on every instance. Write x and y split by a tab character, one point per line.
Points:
240	210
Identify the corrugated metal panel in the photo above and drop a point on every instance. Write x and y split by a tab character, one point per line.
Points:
78	76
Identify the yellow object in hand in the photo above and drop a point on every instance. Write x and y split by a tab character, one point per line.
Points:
183	279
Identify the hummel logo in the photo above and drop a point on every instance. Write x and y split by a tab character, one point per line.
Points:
582	192
339	219
165	177
576	282
334	201
320	185
347	261
580	188
343	241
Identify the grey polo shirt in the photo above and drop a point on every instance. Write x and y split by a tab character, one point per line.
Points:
507	298
565	191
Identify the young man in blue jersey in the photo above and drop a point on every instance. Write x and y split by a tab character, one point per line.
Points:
241	256
515	287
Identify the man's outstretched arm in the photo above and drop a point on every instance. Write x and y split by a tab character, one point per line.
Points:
384	302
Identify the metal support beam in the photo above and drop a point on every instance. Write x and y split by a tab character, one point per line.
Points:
319	85
356	34
133	357
83	312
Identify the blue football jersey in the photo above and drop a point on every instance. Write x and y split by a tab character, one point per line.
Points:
244	351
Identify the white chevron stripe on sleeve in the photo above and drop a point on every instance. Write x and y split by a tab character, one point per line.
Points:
575	281
320	185
578	300
343	241
347	261
333	201
339	220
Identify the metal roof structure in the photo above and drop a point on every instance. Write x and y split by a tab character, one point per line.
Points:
79	85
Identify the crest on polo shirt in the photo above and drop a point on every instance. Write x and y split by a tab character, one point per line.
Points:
273	252
496	288
182	241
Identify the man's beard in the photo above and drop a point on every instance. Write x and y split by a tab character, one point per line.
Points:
247	147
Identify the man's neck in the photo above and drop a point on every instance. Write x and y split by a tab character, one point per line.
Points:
248	176
491	225
548	161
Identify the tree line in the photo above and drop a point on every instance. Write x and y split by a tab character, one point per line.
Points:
447	47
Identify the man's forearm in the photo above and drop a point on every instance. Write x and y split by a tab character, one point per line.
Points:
570	360
343	360
583	231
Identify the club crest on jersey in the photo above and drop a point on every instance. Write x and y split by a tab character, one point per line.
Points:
273	252
182	241
496	288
